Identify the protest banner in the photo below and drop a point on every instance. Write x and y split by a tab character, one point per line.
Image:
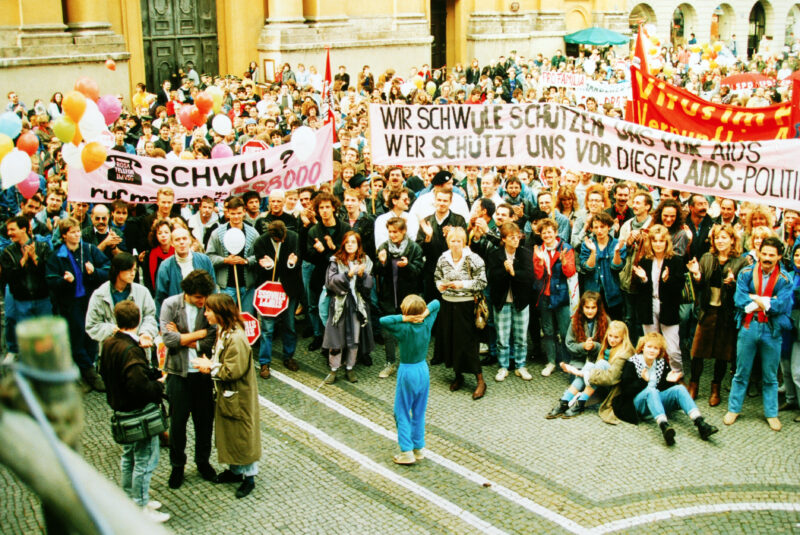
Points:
561	79
615	94
305	161
551	134
659	105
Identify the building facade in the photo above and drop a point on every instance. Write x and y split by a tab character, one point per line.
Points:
151	39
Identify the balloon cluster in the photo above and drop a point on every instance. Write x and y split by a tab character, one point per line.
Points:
197	115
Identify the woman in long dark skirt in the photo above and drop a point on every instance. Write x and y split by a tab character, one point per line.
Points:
460	276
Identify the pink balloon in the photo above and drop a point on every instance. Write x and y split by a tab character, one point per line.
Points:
185	117
110	107
29	186
221	150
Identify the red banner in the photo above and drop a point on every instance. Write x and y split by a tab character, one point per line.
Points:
666	107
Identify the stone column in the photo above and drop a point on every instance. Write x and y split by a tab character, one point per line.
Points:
284	11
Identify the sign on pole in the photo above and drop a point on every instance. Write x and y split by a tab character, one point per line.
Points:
270	300
252	327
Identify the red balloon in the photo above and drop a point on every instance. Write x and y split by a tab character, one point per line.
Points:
204	102
28	142
185	117
29	186
198	117
88	87
111	65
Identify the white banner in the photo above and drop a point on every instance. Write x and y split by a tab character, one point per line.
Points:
616	94
550	134
561	79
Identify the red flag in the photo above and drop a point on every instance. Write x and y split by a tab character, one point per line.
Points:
639	56
796	108
327	95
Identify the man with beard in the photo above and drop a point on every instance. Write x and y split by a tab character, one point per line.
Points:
699	223
99	233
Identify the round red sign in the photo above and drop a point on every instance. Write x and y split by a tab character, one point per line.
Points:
252	327
270	300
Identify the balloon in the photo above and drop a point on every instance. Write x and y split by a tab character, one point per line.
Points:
92	123
204	102
77	138
28	142
88	87
216	97
14	168
430	88
221	150
111	65
303	142
10	124
233	240
107	139
74	104
198	117
185	117
29	186
417	81
186	155
6	145
64	129
110	107
72	154
717	46
222	125
93	156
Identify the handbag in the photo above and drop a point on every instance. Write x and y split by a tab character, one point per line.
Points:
481	311
687	292
130	427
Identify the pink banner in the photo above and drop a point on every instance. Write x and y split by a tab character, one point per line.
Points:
306	161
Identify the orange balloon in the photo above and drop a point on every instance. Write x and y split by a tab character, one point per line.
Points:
78	137
74	104
111	65
88	87
93	156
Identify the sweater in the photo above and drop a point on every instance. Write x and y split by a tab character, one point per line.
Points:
412	338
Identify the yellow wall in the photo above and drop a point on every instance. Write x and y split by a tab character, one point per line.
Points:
238	34
125	17
39	12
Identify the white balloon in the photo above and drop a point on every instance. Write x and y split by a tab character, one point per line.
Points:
222	125
72	154
92	122
304	141
234	241
407	88
107	138
15	167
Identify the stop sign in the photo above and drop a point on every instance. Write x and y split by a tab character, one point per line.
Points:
254	145
270	300
252	327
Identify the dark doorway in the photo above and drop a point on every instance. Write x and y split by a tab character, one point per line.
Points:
439	33
176	32
758	25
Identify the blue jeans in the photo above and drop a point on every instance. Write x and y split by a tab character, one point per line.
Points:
246	294
655	403
554	322
791	373
410	402
758	338
288	334
512	325
579	383
312	298
139	461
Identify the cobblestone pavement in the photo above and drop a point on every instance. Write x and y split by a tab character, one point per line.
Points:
497	466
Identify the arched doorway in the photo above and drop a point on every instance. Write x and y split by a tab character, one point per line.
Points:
757	27
722	22
641	14
683	24
793	25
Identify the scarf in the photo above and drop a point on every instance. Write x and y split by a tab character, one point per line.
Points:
397	249
340	300
658	368
766	292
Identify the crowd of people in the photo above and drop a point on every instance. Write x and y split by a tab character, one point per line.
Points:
626	290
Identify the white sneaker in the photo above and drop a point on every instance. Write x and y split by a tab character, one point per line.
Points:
155	516
523	373
483	349
548	369
419	454
502	373
154	505
388	371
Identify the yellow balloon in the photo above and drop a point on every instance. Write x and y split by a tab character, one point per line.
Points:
653	51
717	46
216	96
712	64
418	81
6	145
696	48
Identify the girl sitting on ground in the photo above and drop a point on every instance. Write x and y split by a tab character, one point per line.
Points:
614	352
586	330
649	389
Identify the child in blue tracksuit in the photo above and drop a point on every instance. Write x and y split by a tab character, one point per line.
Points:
413	332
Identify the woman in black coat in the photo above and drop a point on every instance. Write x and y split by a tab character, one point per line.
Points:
658	282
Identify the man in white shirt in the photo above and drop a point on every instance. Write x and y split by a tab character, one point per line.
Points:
425	204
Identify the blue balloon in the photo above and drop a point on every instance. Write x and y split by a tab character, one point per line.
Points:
10	124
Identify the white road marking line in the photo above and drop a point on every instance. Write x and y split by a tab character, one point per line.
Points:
369	464
505	492
626	523
528	504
